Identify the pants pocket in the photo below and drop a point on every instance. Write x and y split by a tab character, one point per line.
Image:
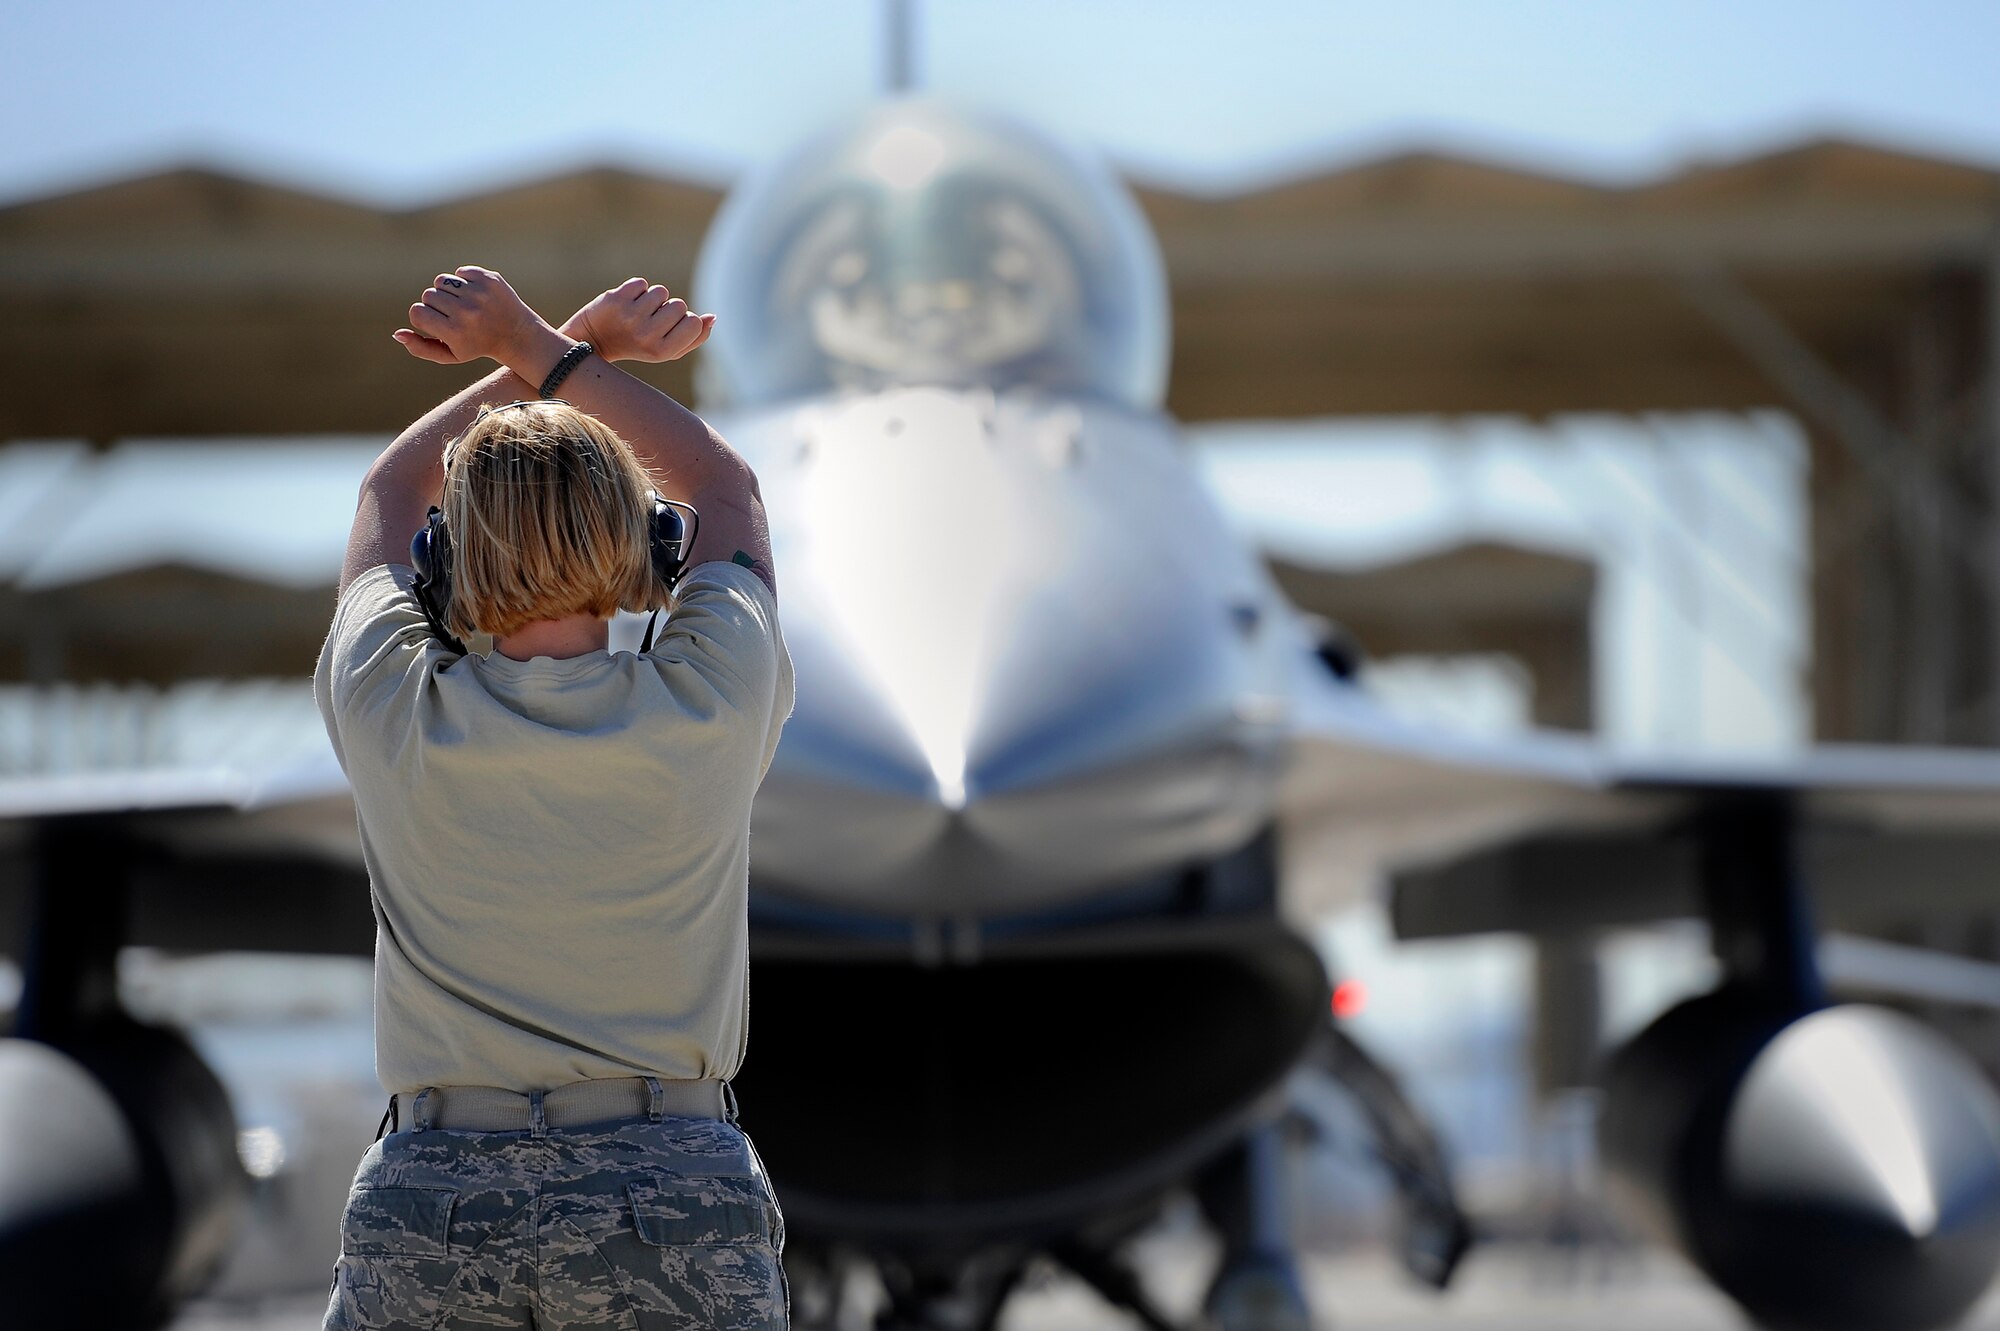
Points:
705	1255
394	1264
676	1210
387	1293
396	1221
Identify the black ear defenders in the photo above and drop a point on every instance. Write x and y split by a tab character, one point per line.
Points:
430	556
670	533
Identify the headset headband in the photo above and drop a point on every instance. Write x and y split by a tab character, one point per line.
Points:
670	533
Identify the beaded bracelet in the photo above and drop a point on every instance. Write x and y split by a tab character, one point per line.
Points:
570	360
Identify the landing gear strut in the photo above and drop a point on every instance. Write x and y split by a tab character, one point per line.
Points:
1258	1286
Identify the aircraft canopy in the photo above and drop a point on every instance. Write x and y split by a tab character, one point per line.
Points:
924	246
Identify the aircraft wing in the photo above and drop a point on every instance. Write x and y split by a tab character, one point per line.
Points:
218	786
1545	830
200	859
1367	790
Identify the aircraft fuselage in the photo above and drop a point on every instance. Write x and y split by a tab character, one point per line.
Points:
1033	661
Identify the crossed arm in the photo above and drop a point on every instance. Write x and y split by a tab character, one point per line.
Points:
474	314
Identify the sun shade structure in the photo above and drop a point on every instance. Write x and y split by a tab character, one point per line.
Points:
160	560
1415	283
1849	284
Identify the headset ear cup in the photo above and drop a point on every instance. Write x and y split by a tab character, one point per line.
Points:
670	532
659	538
420	547
431	557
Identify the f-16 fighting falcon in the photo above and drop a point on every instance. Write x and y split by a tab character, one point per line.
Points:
1062	768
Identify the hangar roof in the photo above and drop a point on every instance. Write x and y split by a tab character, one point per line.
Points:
196	303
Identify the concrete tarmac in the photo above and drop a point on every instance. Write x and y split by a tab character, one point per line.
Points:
1500	1289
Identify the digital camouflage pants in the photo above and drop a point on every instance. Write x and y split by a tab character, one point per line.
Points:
645	1226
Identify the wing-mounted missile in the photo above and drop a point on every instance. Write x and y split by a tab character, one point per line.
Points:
1829	1167
1832	1170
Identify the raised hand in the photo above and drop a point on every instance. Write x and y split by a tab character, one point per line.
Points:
640	322
470	314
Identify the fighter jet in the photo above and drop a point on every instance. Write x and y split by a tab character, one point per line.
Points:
1017	851
1063	768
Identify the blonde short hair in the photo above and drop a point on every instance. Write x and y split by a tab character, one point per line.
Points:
548	516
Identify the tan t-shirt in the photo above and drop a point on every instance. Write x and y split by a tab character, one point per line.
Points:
559	849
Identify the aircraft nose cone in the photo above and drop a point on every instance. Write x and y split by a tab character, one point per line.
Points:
1861	1175
1017	676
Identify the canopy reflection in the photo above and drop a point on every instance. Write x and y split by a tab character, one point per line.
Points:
924	245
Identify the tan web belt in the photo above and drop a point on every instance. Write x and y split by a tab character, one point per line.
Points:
579	1104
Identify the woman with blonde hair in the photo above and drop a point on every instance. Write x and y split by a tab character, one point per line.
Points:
556	835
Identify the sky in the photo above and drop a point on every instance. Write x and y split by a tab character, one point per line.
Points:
409	102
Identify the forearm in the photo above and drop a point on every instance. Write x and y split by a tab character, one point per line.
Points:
475	313
691	461
412	467
673	442
409	477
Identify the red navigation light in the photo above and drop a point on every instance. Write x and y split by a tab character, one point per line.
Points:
1349	997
